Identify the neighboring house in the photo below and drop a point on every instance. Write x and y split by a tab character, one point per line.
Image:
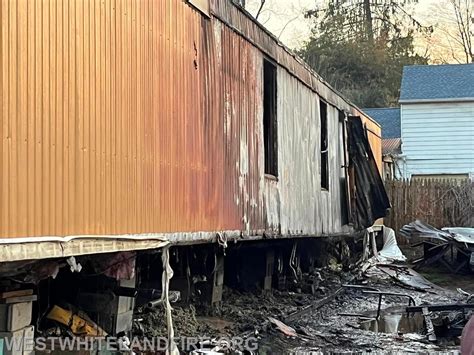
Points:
437	121
389	119
432	133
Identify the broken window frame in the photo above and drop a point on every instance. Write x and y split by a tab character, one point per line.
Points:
270	118
344	162
324	139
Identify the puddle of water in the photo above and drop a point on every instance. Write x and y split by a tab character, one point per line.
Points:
394	321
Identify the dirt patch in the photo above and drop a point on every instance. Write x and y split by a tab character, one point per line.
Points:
152	323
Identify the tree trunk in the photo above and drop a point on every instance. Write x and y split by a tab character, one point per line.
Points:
368	21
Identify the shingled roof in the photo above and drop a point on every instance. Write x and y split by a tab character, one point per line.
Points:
388	118
452	82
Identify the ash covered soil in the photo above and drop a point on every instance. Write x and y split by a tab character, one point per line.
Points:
341	325
335	328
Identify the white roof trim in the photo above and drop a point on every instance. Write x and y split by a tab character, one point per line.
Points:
456	99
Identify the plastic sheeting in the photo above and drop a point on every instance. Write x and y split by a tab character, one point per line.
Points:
390	250
462	235
423	230
119	266
165	281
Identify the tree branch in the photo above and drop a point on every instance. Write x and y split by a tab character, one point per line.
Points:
262	3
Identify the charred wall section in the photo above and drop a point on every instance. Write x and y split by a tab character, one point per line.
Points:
297	202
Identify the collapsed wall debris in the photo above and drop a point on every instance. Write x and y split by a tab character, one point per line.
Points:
370	200
270	289
451	247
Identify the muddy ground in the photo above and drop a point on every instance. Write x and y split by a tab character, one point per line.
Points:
344	324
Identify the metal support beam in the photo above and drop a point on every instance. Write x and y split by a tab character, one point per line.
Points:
218	279
269	265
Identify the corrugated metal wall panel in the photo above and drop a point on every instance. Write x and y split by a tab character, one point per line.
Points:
202	5
113	120
260	37
304	208
129	117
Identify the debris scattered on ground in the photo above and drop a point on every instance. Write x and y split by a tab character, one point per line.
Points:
451	247
364	310
289	331
152	322
407	277
346	322
386	262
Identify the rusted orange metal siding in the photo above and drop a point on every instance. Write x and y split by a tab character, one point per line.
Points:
125	116
145	116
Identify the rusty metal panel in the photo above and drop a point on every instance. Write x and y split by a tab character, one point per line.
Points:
254	32
141	116
296	205
126	117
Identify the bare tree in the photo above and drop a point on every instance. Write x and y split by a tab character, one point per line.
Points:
262	4
240	3
284	18
451	41
465	28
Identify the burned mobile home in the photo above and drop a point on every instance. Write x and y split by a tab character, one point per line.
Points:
128	126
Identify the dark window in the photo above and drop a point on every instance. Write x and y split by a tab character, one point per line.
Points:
343	182
270	133
324	167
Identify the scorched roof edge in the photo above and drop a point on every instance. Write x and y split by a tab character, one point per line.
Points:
305	66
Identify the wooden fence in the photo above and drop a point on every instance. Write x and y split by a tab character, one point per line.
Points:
440	203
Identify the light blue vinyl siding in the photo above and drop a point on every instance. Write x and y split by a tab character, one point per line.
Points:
438	138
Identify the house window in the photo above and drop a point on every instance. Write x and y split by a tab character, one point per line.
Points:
324	166
270	133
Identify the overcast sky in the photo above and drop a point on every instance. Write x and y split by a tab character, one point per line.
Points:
285	18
